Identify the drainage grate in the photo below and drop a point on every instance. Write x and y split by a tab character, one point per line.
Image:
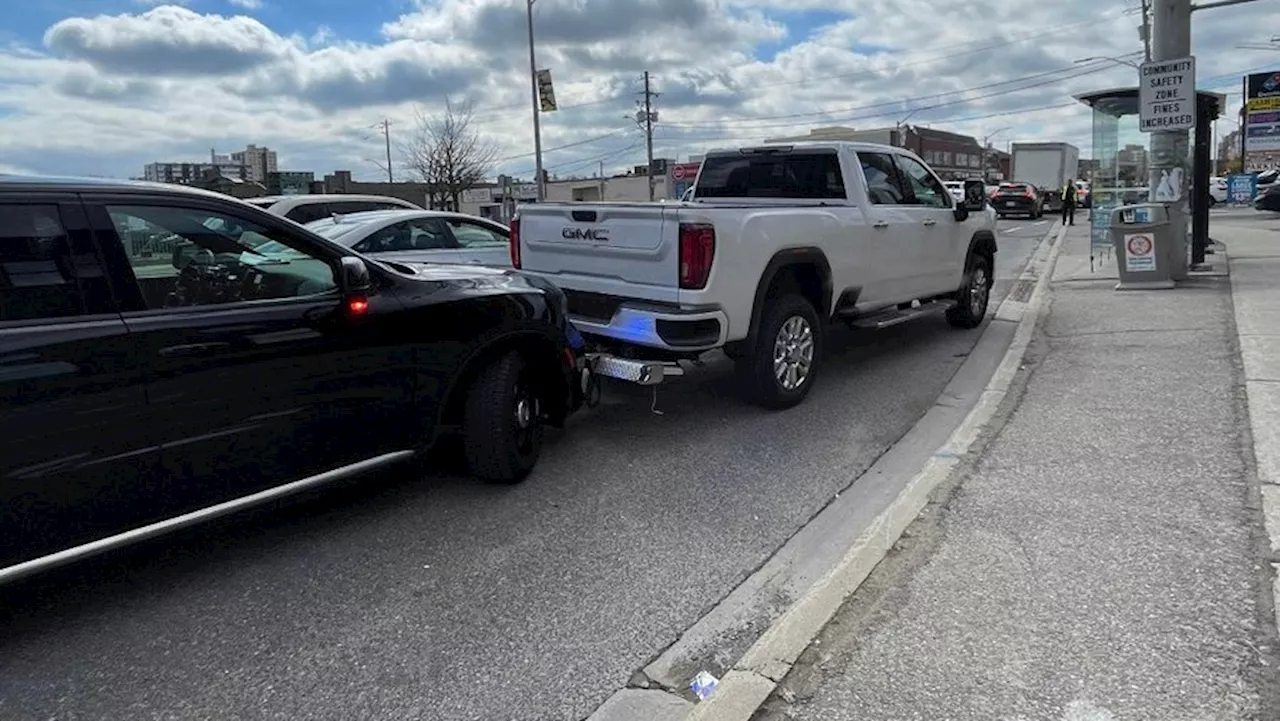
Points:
1022	290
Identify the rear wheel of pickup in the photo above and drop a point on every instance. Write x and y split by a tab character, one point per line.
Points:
503	422
974	296
779	371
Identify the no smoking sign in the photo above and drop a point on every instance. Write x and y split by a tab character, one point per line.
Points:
1139	252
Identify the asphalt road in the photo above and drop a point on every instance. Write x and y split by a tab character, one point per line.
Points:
442	598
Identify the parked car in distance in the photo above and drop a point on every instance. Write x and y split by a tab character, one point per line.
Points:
169	355
1217	190
1268	199
956	188
306	208
425	236
1018	199
777	242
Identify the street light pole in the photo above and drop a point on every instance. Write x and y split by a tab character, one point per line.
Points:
537	120
986	143
902	143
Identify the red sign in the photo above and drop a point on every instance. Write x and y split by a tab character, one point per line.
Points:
685	171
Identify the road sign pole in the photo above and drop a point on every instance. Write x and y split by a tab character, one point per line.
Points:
1171	149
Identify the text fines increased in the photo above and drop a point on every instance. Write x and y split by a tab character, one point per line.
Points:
1167	95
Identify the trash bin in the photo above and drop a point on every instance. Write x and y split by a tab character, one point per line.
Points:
1142	238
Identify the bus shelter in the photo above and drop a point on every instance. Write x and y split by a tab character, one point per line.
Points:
1122	154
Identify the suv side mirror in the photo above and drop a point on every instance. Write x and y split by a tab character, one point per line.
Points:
353	275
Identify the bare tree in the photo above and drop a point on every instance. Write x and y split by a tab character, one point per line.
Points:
448	155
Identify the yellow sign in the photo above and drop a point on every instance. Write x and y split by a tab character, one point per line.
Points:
1263	104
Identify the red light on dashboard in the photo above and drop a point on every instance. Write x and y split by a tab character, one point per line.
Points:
357	306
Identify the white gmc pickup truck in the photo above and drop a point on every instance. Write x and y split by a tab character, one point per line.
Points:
775	242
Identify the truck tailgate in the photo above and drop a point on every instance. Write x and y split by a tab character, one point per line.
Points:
628	250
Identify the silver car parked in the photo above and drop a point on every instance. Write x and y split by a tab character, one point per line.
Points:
419	236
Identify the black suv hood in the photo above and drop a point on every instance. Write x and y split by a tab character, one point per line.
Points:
480	278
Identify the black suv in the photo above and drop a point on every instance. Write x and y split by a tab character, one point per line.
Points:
168	355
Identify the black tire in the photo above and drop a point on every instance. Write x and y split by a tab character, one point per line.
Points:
756	369
502	423
974	296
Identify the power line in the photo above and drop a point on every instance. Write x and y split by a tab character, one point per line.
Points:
575	144
1056	30
1223	80
944	104
1098	64
499	113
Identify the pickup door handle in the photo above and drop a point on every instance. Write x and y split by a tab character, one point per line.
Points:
880	224
930	222
192	349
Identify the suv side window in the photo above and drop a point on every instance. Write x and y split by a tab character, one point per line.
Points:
925	187
308	212
201	257
470	234
46	272
884	183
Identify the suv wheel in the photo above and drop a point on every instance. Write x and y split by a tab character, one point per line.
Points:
503	422
782	366
974	296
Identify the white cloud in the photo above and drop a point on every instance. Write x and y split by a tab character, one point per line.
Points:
107	93
248	4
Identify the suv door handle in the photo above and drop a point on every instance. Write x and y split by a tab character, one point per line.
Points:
931	221
880	224
192	349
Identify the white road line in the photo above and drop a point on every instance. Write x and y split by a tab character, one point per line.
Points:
1041	222
1010	230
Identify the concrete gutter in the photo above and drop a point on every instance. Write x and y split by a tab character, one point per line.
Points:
756	674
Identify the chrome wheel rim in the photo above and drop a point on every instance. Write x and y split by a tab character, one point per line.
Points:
793	353
526	411
978	292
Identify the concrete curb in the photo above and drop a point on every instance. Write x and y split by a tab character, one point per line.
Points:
755	676
1259	346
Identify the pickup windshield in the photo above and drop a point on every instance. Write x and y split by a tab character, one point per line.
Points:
810	175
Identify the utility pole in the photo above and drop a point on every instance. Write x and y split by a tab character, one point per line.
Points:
1146	30
386	135
537	107
1170	149
646	119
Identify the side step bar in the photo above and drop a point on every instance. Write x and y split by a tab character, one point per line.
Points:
885	319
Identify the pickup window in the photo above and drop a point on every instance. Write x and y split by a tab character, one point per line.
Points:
884	183
812	176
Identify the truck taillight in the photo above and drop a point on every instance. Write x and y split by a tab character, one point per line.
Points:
697	251
513	243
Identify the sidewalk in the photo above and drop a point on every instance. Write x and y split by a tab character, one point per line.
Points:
1104	557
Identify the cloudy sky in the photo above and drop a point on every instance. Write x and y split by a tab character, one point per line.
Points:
103	86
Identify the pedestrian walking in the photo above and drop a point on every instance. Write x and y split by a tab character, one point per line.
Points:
1069	202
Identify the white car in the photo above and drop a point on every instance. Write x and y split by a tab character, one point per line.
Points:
778	241
956	188
1217	190
419	236
306	208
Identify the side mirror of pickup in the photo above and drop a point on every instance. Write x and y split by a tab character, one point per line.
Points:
975	199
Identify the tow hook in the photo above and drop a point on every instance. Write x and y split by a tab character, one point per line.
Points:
590	387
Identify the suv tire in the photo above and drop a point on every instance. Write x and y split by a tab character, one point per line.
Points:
974	296
789	343
502	422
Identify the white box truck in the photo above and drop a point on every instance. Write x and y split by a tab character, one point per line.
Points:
1047	166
